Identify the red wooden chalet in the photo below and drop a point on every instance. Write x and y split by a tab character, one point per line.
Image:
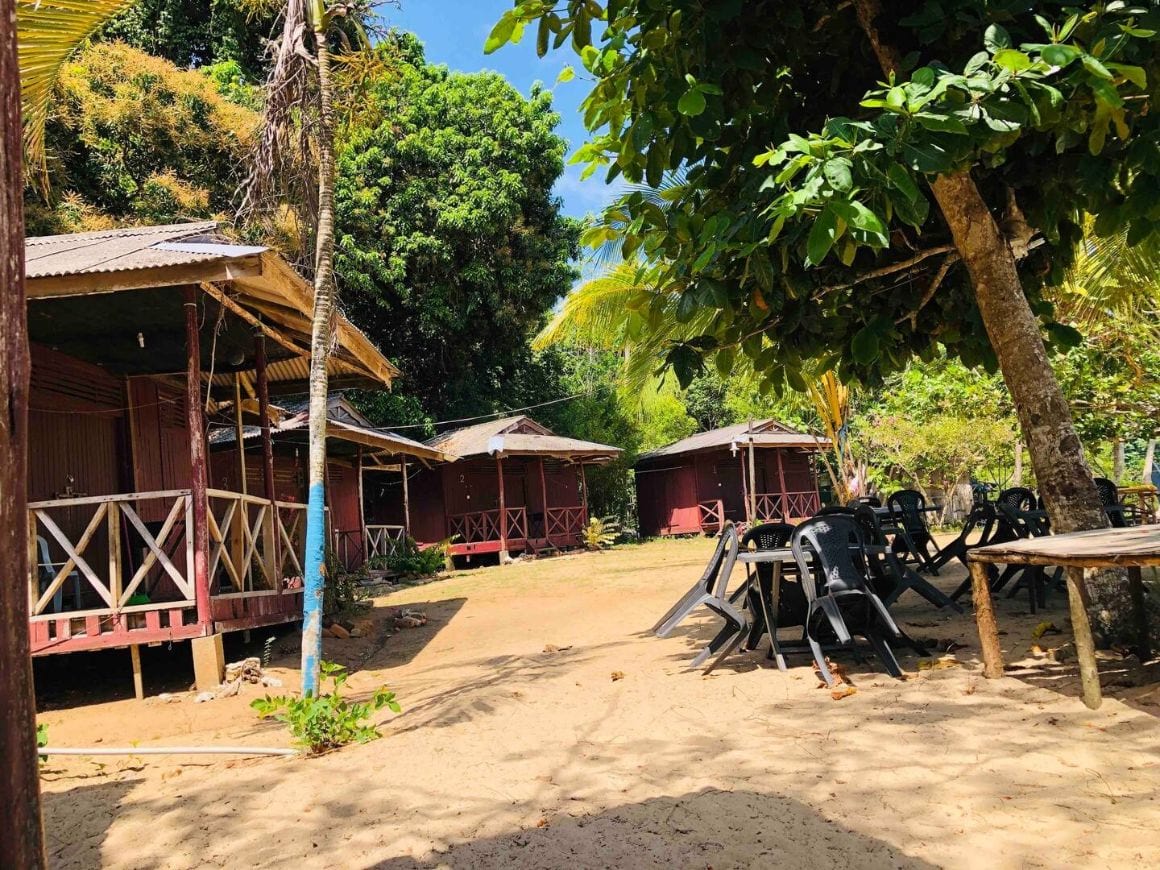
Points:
362	462
138	337
757	472
516	486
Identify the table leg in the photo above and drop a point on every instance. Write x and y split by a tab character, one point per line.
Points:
1085	649
771	617
985	618
1139	613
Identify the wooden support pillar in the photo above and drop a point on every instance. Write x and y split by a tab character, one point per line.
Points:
584	492
407	501
503	529
744	489
752	478
271	540
1081	629
362	512
985	619
138	684
544	497
197	461
781	483
239	432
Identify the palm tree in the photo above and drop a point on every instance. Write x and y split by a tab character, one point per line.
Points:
298	135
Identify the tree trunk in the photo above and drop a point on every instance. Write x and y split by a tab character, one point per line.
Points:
321	336
21	834
1149	459
1057	458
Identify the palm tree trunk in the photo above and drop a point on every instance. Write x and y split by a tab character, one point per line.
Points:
321	337
21	834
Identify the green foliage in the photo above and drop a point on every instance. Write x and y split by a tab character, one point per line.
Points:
344	590
409	560
133	140
600	534
806	173
320	723
195	33
42	739
450	244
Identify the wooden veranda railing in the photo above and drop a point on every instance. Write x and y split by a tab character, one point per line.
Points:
564	522
384	541
92	556
253	547
712	514
479	526
773	506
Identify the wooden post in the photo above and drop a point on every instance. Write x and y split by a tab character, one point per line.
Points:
744	490
1081	629
407	501
113	527
1136	590
272	538
138	685
544	496
781	482
985	619
197	464
503	550
239	432
584	491
21	832
752	476
362	513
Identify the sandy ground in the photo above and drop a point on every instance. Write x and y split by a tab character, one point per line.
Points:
518	748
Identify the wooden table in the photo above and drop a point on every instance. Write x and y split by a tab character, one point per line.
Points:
1132	548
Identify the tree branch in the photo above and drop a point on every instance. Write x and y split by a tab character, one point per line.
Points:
930	291
885	270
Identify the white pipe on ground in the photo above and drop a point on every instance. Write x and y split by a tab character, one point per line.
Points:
165	750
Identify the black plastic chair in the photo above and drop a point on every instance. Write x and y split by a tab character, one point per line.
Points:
1110	497
907	506
710	591
870	500
836	588
835	510
890	577
792	606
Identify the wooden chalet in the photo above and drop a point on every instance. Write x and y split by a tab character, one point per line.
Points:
360	459
516	486
757	472
138	336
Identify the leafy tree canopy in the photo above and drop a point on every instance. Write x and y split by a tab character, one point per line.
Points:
131	139
805	230
194	33
451	247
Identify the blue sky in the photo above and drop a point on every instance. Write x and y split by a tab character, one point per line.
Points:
454	31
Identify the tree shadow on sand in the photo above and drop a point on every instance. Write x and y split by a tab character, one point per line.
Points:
706	828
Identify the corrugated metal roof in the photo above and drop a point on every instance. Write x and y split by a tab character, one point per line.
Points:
768	433
519	435
388	442
127	249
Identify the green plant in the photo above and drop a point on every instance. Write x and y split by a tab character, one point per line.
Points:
344	589
409	558
600	533
327	721
42	739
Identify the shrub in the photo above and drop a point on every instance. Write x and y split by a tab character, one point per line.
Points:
323	722
344	589
600	533
409	558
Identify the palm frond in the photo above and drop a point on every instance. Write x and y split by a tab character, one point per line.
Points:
47	34
1111	279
